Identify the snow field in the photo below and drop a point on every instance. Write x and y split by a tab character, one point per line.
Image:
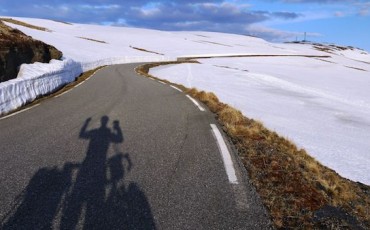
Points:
322	107
115	46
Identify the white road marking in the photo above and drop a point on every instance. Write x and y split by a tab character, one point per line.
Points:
226	157
162	82
151	78
62	94
196	103
78	84
92	75
176	88
21	111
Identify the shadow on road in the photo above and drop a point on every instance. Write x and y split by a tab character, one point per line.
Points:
87	195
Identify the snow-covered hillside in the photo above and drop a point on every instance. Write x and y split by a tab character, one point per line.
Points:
321	106
320	103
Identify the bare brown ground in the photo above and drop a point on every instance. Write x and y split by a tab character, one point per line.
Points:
144	50
93	40
16	22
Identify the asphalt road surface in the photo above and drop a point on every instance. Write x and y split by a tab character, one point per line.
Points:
121	151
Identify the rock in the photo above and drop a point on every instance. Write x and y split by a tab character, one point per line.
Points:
16	49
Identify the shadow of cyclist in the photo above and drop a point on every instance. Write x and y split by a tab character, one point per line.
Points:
87	195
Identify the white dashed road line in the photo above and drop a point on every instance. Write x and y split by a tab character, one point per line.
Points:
226	157
79	84
62	94
196	103
176	88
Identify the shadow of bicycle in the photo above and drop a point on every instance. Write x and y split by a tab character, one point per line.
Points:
87	195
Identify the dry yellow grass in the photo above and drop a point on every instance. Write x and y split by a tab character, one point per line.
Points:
17	22
144	50
66	23
297	190
93	40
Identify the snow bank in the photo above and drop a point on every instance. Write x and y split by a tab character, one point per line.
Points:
38	79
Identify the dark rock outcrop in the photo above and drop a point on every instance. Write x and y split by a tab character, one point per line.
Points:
16	48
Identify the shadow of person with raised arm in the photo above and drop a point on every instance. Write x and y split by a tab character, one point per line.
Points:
87	195
88	192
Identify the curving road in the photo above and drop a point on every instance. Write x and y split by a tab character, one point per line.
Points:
121	151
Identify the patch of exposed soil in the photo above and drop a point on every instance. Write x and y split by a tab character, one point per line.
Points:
16	49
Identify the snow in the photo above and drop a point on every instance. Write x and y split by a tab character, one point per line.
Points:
115	45
322	106
79	55
320	103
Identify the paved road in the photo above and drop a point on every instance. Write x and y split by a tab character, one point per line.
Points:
120	152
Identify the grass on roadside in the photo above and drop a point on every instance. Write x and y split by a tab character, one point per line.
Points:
297	190
17	22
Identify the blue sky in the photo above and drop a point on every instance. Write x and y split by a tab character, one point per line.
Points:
345	22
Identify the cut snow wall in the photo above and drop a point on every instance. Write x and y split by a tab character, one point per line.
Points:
38	79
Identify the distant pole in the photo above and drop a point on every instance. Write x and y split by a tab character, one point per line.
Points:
305	36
